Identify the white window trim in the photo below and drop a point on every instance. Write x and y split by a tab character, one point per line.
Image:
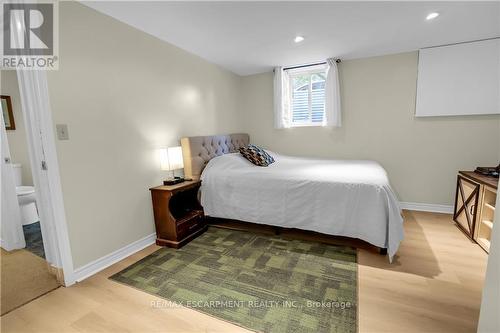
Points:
310	70
308	124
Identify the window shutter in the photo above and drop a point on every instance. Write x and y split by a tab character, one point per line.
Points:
300	106
307	96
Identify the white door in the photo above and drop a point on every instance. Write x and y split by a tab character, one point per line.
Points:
11	228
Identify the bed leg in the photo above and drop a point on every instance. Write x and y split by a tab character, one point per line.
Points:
383	251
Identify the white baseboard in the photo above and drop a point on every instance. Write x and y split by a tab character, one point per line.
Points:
423	207
98	265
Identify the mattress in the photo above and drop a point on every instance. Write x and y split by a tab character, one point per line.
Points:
336	197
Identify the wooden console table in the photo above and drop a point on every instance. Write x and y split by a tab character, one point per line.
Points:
475	201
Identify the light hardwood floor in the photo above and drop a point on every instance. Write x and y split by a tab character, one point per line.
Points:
434	285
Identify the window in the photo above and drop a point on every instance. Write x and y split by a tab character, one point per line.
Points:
307	95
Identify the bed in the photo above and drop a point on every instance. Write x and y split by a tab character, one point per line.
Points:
334	197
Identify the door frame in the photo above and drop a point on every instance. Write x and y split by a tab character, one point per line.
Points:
33	88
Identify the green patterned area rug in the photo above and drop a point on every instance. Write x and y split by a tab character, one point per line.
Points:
263	283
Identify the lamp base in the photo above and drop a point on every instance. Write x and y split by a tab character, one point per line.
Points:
173	181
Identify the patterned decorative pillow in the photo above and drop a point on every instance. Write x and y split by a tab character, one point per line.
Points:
256	155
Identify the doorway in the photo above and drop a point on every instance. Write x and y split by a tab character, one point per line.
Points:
25	274
35	247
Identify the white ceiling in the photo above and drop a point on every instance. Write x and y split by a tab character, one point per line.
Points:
253	37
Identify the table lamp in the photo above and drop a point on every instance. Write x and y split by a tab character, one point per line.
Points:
171	160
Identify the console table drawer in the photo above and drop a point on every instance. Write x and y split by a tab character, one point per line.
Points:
466	204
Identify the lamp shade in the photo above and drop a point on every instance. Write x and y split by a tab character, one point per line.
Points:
164	159
175	160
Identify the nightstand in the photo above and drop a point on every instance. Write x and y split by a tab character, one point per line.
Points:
178	215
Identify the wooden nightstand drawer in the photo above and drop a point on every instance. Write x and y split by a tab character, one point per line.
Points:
189	226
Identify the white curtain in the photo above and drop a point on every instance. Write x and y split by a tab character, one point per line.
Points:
281	98
333	114
11	228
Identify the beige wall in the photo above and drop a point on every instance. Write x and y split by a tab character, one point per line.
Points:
123	94
18	145
421	156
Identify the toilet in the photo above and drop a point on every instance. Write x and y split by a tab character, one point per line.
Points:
25	197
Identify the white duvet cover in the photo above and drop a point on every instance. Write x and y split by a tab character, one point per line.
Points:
335	197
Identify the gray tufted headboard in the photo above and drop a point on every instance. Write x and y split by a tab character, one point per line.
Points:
198	150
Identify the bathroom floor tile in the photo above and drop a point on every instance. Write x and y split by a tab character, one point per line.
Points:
33	237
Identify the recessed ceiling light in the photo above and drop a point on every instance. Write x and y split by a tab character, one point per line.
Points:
298	39
432	16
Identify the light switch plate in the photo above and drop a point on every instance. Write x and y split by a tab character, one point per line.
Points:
62	131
